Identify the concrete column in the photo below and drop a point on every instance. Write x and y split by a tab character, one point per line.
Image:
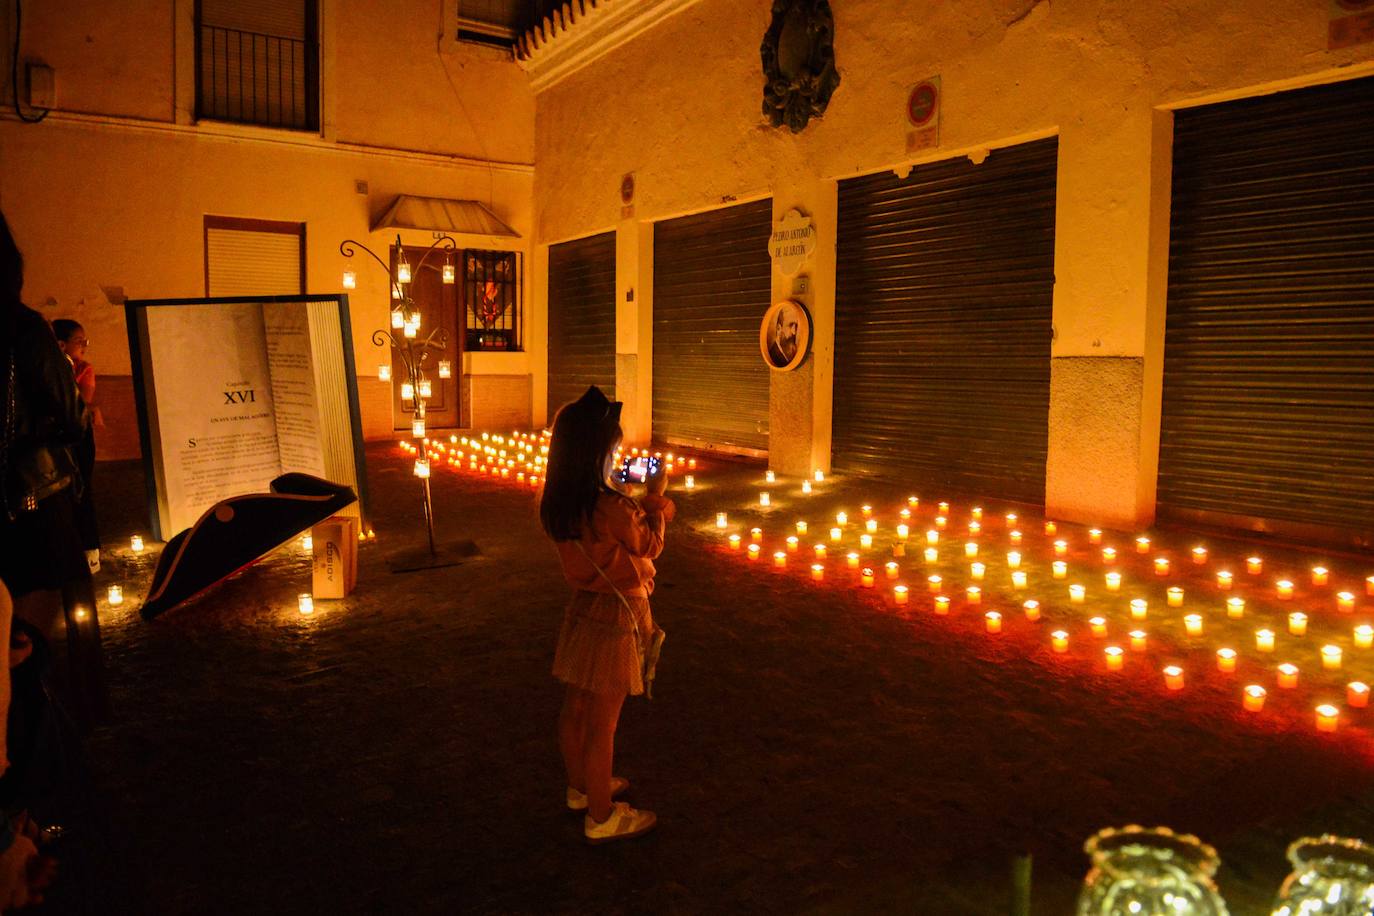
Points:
800	401
634	328
1111	270
537	332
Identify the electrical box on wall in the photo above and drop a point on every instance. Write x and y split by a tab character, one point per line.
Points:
42	86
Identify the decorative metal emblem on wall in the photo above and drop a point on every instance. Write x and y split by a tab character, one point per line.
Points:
799	62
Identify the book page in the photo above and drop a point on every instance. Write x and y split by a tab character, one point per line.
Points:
216	423
294	397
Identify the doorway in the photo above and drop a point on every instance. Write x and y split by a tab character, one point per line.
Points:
437	303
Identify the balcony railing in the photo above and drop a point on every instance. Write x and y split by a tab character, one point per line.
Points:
257	79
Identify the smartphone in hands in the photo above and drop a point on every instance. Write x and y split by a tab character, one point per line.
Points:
637	470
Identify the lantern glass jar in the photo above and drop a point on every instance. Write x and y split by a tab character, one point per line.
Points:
1138	870
1327	870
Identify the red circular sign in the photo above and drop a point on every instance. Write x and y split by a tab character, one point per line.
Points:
922	104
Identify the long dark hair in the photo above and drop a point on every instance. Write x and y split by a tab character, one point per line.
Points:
11	278
585	434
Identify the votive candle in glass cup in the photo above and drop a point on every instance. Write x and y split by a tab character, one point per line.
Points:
1264	640
1173	677
836	534
1254	565
1345	602
1113	581
1331	657
971	549
820	551
136	543
754	551
1320	574
842	518
1051	528
1077	594
1224	580
1199	554
1060	569
976	512
851	560
780	559
1018	578
1235	608
941	522
1193	624
866	541
1142	544
932	537
1116	658
1297	623
1174	597
1109	555
1252	697
866	576
305	603
802	527
1139	608
792	543
1138	640
734	542
1328	718
931	555
973	594
1059	641
1288	675
1364	636
1357	694
871	526
1094	535
1284	588
1015	538
1161	566
977	571
892	569
942	507
933	583
817	572
115	595
1013	559
899	594
1061	548
1098	626
993	622
1226	660
1031	609
941	604
756	534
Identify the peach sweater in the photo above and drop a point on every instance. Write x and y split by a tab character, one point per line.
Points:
624	537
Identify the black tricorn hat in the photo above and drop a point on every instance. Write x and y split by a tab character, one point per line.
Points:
597	406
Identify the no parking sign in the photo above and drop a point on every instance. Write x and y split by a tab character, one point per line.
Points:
923	111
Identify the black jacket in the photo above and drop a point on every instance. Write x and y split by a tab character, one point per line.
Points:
47	412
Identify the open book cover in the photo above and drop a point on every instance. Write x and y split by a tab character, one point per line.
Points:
233	393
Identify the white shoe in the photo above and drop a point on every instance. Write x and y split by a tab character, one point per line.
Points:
625	822
577	801
93	560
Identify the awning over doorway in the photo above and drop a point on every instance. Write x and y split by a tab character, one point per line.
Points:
442	214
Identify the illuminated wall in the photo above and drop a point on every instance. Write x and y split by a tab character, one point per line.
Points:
107	195
679	106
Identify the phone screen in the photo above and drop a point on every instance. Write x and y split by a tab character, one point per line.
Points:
637	470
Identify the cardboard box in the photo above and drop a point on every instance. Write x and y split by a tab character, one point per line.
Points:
335	555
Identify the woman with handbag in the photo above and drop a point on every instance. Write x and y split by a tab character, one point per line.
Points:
608	644
41	559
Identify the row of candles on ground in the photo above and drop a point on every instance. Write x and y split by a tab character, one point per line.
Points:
522	456
1253	696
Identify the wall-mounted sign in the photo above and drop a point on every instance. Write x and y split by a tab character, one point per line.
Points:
785	335
923	112
792	242
1351	23
627	196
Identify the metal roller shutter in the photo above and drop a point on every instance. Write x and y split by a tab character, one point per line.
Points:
581	318
1268	405
943	318
712	285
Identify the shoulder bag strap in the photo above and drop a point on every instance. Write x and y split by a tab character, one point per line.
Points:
639	648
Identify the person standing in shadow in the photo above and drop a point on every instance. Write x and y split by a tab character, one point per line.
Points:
42	563
72	341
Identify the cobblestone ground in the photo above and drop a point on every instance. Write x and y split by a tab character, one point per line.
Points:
809	750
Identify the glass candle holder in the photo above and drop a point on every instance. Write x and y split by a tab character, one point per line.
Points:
1140	870
1032	609
1330	874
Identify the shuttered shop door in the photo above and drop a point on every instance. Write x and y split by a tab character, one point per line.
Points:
712	285
581	318
1268	408
943	323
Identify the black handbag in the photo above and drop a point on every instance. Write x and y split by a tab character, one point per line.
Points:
32	472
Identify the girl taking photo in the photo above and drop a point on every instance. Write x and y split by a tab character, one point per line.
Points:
608	644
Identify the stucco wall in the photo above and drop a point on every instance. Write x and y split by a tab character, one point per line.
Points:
107	196
680	107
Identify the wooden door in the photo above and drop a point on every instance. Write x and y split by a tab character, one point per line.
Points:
437	302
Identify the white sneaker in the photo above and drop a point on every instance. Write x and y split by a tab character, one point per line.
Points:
577	801
625	822
93	560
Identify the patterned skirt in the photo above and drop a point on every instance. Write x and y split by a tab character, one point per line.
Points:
596	645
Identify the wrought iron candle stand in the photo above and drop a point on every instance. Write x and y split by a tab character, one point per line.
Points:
414	351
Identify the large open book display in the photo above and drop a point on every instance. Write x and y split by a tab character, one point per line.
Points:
234	393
